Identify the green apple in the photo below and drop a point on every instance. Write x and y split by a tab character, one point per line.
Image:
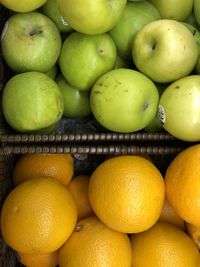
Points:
134	17
165	50
84	58
179	108
124	100
173	9
32	101
22	5
197	11
92	17
51	10
76	102
30	42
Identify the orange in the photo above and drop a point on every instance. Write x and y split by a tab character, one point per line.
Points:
38	216
79	189
164	245
93	244
169	215
59	166
127	193
183	184
194	233
43	260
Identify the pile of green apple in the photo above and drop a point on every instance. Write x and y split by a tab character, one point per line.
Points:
134	65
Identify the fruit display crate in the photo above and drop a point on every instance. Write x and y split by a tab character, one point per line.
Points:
86	159
69	130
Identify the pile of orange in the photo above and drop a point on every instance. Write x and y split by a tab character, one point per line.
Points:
123	214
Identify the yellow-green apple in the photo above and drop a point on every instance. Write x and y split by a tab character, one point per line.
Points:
30	42
173	9
76	102
124	100
32	102
179	108
165	50
22	5
84	58
197	11
94	17
51	10
134	17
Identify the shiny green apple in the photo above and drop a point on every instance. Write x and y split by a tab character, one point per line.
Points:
22	5
92	17
84	58
30	42
32	101
179	108
124	100
173	9
76	102
165	50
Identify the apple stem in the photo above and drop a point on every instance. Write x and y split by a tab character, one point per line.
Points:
34	32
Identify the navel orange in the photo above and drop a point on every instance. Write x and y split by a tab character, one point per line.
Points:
127	193
38	216
93	244
183	184
79	189
59	166
164	245
43	260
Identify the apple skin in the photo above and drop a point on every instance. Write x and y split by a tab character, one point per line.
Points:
32	101
76	102
84	58
30	42
134	17
165	50
179	108
173	9
22	5
92	17
124	100
51	10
